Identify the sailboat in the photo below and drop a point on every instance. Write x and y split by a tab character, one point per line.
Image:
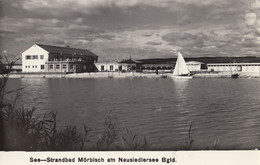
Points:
181	70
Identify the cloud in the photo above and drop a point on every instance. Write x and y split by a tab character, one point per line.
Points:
10	24
210	27
81	28
7	32
125	14
42	38
251	37
148	34
94	7
208	43
188	39
153	43
90	5
107	36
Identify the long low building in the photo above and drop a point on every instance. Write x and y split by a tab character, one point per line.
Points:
48	58
246	66
124	65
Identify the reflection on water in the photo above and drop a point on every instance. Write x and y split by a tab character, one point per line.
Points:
35	93
179	89
227	110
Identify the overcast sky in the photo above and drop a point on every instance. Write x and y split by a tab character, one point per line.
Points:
114	29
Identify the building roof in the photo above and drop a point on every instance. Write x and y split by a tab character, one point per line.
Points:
158	60
194	62
130	61
247	59
206	60
66	50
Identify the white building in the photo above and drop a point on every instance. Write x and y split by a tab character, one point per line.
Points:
194	65
125	65
47	58
34	59
107	66
244	69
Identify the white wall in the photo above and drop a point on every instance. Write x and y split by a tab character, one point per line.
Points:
34	65
194	67
107	66
238	67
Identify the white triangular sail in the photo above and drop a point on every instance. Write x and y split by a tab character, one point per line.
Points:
180	66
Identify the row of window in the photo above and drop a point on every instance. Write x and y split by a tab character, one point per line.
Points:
192	64
64	66
111	67
34	66
230	65
57	66
34	57
71	58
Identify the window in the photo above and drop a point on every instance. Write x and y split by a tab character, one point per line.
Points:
51	66
71	66
57	66
35	66
42	67
111	67
102	67
64	66
28	57
41	57
239	68
203	66
25	66
28	66
35	57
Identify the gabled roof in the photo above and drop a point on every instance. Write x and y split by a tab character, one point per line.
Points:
66	50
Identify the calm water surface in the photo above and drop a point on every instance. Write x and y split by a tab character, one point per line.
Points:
223	110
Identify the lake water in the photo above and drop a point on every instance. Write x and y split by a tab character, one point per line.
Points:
223	110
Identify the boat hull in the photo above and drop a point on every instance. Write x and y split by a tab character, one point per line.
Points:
181	77
234	75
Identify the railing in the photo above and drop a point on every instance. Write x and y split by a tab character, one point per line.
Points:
37	74
87	61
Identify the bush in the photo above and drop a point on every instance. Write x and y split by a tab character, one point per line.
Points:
23	130
109	135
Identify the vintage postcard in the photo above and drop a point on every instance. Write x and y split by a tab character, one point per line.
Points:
130	81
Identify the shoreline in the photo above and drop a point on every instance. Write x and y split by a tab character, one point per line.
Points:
88	75
123	75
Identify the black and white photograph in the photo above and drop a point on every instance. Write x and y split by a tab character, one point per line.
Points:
129	75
